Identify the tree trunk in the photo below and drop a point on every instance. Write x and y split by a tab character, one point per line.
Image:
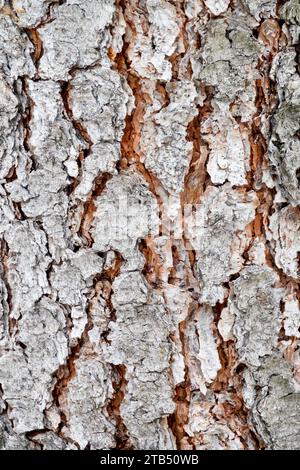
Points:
149	219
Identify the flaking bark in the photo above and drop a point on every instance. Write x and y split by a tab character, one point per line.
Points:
186	341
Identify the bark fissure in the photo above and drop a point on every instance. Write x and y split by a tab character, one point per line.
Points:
149	221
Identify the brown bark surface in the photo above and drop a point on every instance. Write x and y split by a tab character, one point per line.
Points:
149	224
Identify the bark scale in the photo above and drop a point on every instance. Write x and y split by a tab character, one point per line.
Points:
149	223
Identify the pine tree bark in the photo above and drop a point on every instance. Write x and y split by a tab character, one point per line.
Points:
149	223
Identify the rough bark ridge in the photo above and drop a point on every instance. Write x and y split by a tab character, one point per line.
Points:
182	340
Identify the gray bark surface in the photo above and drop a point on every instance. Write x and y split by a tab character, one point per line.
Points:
177	340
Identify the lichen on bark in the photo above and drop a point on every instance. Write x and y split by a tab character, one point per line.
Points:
149	224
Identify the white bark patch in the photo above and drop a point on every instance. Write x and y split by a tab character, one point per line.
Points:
208	351
255	304
229	149
15	49
9	111
166	151
149	223
100	101
87	392
217	6
284	146
284	236
53	142
76	37
44	350
28	264
291	320
150	50
30	12
259	8
218	236
126	211
225	324
277	405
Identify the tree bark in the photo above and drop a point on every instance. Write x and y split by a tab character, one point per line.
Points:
149	223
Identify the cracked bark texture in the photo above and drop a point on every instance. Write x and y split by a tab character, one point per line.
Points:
149	342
